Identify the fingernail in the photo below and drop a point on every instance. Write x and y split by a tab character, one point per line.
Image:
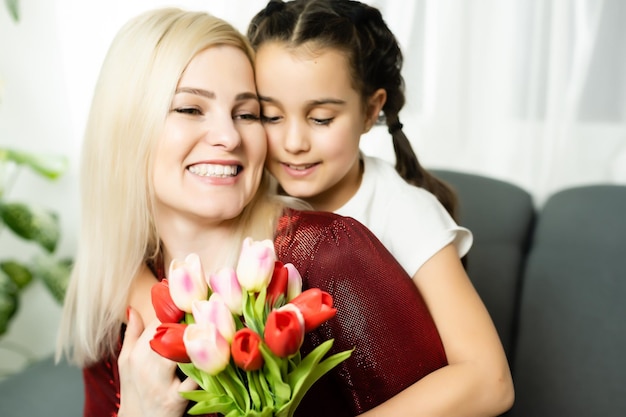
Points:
128	313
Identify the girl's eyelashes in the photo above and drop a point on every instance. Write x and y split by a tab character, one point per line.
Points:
322	122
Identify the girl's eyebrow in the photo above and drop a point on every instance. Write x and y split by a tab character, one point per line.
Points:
211	95
317	102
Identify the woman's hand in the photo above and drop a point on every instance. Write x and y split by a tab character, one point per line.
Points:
148	382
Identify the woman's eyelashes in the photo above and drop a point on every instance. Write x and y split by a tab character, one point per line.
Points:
193	111
248	117
269	119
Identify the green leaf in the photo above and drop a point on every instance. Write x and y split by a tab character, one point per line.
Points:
249	314
18	272
222	404
53	272
308	372
47	165
13	8
32	223
272	368
235	388
8	301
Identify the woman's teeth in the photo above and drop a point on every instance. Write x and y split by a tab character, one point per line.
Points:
211	170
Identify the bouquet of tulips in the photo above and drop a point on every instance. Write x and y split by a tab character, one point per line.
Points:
238	333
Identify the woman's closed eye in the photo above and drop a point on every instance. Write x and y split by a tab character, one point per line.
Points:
248	117
194	111
270	119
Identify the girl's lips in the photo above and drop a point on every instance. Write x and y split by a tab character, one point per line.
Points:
300	170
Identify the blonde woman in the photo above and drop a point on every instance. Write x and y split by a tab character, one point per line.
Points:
173	163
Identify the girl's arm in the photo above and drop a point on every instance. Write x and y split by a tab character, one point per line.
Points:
477	381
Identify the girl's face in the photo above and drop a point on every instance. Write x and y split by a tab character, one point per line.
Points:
314	119
209	160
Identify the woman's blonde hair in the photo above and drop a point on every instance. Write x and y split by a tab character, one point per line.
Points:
117	233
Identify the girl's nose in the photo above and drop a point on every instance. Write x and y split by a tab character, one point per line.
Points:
296	139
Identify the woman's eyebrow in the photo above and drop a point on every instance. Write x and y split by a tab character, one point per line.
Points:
247	96
196	91
211	94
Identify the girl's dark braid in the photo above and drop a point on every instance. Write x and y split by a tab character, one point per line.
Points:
375	62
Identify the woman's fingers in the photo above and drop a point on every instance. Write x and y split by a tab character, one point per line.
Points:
149	384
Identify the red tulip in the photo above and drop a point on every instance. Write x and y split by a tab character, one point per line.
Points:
245	350
168	342
166	310
278	283
284	331
316	307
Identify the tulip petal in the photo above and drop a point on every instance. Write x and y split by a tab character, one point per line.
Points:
168	342
245	350
207	348
225	283
164	307
284	332
186	282
255	265
316	307
214	311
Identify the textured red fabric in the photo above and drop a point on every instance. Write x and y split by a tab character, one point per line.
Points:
380	313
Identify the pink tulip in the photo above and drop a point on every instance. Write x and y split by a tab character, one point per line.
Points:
294	282
187	283
207	348
284	331
225	283
215	311
256	263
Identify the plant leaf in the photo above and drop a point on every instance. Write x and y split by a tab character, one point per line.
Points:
53	272
32	223
50	166
281	390
8	301
18	272
13	8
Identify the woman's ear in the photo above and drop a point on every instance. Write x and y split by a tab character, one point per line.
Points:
374	105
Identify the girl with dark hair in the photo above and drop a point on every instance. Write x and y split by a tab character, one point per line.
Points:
326	72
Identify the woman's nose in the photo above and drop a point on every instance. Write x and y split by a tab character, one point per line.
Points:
223	133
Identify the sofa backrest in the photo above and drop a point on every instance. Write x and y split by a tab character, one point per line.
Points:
570	358
501	217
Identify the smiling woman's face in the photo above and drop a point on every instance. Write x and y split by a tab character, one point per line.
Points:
209	160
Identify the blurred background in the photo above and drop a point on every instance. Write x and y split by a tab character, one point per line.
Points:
532	92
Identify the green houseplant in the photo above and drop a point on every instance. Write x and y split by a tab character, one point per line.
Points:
32	223
29	222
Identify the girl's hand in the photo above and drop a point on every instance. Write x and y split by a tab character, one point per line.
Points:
148	382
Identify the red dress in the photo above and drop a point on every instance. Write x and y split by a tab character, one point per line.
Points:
380	313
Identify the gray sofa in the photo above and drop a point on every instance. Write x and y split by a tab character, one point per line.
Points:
553	279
